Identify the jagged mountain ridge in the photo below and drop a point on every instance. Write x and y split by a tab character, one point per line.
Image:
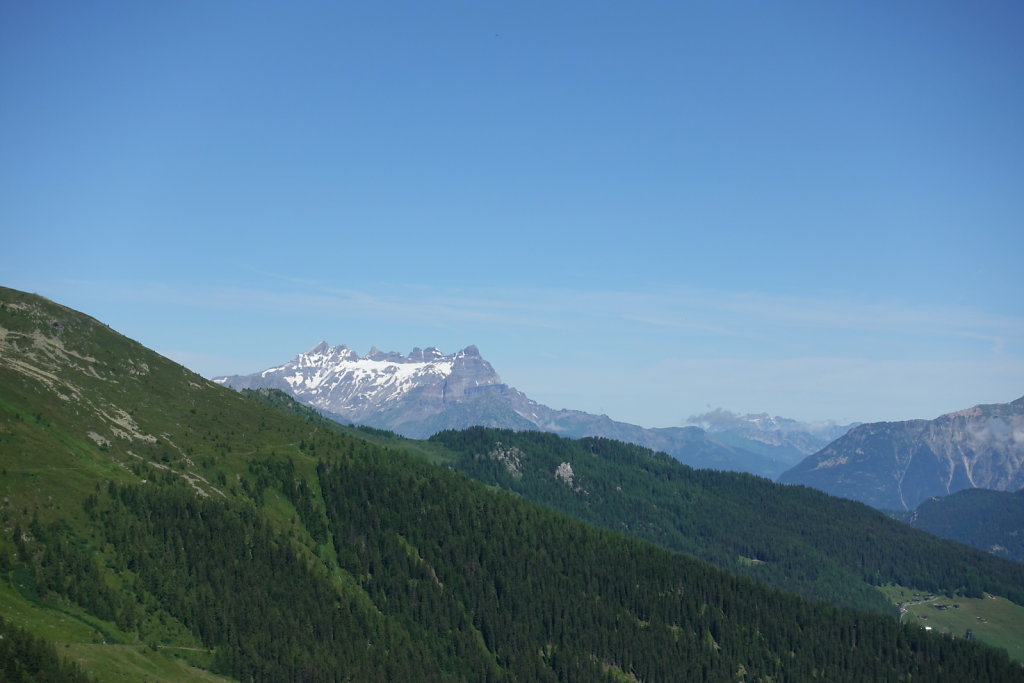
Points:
336	380
428	391
897	465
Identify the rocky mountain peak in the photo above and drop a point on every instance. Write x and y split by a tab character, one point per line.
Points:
428	355
897	465
319	350
325	354
378	355
406	388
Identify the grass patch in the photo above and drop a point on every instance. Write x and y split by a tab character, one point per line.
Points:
64	625
134	663
992	620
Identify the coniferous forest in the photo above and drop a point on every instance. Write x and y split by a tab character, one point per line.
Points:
459	582
792	537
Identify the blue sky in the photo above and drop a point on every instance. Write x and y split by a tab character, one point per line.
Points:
643	209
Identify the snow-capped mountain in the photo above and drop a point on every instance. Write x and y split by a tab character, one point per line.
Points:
337	381
427	391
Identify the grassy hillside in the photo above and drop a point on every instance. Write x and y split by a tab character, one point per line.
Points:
158	526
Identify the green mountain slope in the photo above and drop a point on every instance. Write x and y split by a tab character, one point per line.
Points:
158	526
792	537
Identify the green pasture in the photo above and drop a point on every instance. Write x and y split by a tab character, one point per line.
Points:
992	620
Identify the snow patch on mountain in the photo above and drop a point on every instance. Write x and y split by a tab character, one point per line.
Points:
338	380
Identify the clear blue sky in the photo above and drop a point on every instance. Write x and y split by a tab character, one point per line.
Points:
814	209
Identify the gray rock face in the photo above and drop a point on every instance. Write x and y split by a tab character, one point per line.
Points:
427	391
897	465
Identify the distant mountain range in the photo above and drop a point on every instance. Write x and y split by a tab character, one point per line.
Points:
897	465
780	438
428	391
